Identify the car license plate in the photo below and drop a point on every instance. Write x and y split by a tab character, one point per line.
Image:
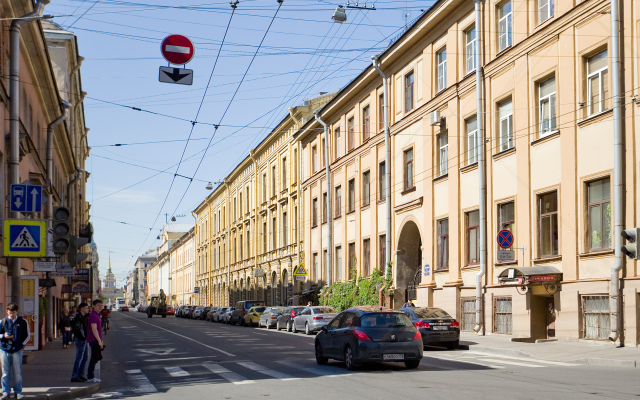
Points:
440	328
393	356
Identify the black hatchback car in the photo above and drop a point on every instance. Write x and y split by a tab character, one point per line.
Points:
435	325
369	334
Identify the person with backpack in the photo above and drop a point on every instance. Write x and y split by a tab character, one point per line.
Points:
64	326
14	335
79	328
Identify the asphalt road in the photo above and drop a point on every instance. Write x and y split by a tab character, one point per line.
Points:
175	358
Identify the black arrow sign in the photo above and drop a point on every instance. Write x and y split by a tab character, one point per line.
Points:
176	76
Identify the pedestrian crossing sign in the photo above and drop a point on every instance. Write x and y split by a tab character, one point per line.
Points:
300	271
24	238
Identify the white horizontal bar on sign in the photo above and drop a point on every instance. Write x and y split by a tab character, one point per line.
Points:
177	49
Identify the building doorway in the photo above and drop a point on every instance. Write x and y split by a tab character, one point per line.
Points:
408	261
551	317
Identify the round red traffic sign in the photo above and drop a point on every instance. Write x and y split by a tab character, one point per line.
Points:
505	239
177	49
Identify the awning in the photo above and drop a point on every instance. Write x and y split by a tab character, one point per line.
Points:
527	275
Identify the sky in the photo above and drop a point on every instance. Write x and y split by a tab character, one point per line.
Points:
154	146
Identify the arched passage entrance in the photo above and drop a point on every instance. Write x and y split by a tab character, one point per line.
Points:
274	289
408	262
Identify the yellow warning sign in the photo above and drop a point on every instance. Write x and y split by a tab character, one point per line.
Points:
300	271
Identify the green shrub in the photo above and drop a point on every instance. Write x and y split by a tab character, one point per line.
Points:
356	292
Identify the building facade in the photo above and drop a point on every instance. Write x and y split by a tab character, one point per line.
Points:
181	277
140	271
158	273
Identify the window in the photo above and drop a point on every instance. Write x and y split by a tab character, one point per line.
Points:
316	276
351	131
264	237
351	205
381	111
338	201
366	257
352	261
472	142
408	169
599	209
248	198
273	180
325	261
295	165
548	224
545	10
443	153
502	315
338	143
235	209
274	234
547	106
284	173
295	222
382	252
382	182
443	244
473	237
468	319
597	83
240	204
441	60
248	236
264	187
338	263
314	213
505	111
596	317
322	152
324	207
284	229
408	92
235	250
470	37
366	188
314	159
504	26
506	217
241	248
366	123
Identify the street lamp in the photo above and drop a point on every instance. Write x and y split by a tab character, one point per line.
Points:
339	15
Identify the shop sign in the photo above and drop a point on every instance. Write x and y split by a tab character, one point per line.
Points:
542	278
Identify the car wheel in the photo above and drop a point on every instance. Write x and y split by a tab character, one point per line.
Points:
320	359
306	329
293	327
412	364
278	326
164	315
289	329
453	345
349	359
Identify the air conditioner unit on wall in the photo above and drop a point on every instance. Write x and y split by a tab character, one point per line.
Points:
435	117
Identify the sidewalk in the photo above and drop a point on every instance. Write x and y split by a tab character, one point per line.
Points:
591	353
47	374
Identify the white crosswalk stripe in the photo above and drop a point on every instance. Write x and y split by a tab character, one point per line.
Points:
176	372
232	377
321	371
487	360
264	370
143	385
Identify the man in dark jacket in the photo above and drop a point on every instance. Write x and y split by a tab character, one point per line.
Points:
80	326
14	335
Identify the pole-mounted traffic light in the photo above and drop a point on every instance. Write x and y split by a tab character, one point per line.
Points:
84	237
631	248
61	230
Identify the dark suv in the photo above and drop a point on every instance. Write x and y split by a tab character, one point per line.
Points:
242	307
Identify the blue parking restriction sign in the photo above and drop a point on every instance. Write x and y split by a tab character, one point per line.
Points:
505	239
24	238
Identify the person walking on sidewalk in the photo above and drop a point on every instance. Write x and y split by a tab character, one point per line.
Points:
94	339
72	315
14	335
64	326
80	330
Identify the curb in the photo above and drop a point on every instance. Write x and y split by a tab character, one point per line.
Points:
610	362
67	394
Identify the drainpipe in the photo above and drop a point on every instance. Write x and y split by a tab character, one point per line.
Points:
618	169
329	218
50	133
14	123
482	184
387	162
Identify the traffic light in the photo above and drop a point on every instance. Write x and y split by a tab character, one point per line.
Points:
631	248
61	230
84	237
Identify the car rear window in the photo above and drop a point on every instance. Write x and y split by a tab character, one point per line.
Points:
384	320
431	313
324	310
259	309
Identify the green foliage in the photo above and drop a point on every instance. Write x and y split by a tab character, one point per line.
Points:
355	292
43	305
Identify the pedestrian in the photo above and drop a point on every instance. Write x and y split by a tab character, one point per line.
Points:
64	326
80	325
309	304
409	303
94	339
14	335
72	315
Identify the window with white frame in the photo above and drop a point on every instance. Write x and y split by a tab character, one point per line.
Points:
504	26
545	10
314	159
443	244
473	237
338	263
382	181
408	169
284	173
472	145
599	214
441	59
597	83
505	112
547	106
443	153
338	201
470	53
351	200
366	257
366	188
338	143
408	91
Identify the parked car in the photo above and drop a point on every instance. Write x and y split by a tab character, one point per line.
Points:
285	320
205	311
435	325
171	311
142	308
226	318
211	313
217	316
369	334
312	318
197	313
192	309
241	309
253	315
269	317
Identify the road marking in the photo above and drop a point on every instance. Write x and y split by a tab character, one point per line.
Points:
425	359
513	363
133	371
232	377
175	359
321	371
176	372
143	385
264	370
564	364
157	352
186	337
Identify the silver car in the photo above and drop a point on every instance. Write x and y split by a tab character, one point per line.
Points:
312	318
217	317
269	317
226	317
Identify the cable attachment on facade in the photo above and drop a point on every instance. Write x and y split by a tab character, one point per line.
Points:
234	4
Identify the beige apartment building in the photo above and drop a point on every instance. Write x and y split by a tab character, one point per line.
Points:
246	230
176	243
547	126
181	277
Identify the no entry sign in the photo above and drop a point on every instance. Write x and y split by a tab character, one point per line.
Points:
177	49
